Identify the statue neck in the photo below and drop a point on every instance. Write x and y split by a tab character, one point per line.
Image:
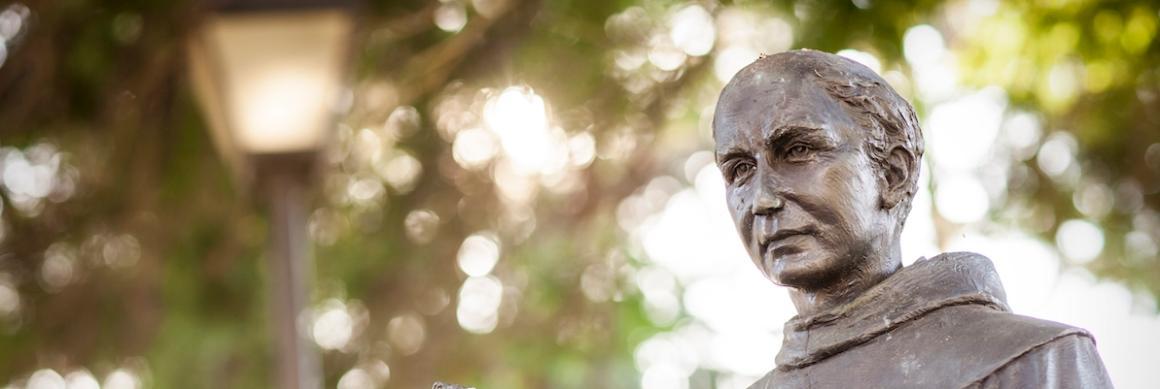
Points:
872	271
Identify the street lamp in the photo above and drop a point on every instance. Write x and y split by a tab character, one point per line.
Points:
267	75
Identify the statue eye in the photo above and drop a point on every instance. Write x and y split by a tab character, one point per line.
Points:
739	171
798	152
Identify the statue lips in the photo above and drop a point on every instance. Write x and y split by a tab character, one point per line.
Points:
784	243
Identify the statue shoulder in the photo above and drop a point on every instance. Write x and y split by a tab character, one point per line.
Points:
1070	361
961	257
1013	331
983	340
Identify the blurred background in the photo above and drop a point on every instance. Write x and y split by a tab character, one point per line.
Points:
520	193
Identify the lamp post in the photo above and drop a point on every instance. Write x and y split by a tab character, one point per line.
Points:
267	75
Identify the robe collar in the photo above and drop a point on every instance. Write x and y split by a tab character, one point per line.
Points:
958	278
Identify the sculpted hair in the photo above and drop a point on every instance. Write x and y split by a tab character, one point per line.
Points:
888	117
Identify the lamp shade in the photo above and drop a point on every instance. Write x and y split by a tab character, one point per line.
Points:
268	80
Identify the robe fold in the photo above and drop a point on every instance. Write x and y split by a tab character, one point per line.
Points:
942	322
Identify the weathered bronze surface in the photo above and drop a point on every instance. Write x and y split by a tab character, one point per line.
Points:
821	159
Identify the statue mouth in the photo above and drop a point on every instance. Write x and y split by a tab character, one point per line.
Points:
786	243
782	235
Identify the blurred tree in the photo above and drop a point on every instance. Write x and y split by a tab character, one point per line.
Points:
1089	72
483	131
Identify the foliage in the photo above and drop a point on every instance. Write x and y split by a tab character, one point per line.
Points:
162	250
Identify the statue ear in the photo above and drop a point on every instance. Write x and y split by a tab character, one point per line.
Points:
899	166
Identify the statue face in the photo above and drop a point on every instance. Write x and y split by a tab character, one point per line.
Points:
799	184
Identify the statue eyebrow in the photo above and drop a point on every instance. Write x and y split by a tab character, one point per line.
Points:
733	152
782	135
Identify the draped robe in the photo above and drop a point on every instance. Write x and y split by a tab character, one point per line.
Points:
942	322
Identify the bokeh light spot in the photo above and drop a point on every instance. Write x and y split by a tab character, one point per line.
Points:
402	172
693	31
479	302
1079	240
333	326
864	58
1057	154
59	267
963	131
46	379
731	60
356	378
478	254
81	379
122	379
451	16
474	148
406	333
9	298
421	225
519	117
923	44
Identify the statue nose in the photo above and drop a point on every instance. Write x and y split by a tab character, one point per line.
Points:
767	203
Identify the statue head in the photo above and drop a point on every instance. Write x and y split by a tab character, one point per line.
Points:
821	160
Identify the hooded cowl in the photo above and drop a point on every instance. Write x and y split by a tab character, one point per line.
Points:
939	323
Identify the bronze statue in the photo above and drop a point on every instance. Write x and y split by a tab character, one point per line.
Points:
821	159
